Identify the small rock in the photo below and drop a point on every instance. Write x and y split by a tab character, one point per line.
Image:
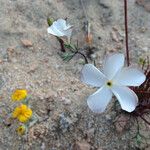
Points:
114	36
27	43
64	121
143	29
81	146
119	46
90	134
93	56
66	101
115	28
121	123
10	50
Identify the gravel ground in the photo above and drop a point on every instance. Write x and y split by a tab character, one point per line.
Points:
54	85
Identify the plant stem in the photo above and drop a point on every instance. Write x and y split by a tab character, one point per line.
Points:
86	61
126	30
61	44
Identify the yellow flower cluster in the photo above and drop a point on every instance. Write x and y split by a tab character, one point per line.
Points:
22	112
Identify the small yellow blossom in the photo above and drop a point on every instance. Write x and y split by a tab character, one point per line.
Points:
21	130
23	113
19	94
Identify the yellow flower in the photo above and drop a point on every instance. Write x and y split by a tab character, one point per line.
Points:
21	130
23	113
19	94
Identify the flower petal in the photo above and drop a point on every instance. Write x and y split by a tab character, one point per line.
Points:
54	31
60	24
129	76
60	28
127	98
22	118
113	64
68	32
99	100
92	76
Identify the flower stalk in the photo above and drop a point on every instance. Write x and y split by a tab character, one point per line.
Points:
62	45
60	29
126	31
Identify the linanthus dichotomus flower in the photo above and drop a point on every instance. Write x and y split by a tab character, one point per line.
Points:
61	28
115	79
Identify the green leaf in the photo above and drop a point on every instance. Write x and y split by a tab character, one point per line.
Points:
33	120
70	46
67	56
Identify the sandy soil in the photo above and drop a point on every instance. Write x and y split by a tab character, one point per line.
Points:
54	86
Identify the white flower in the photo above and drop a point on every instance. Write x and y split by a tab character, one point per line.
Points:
60	28
114	80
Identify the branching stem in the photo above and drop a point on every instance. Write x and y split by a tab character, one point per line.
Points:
86	60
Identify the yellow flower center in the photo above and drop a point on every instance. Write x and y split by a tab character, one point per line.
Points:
109	83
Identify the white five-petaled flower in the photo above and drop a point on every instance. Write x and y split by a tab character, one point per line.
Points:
114	80
60	28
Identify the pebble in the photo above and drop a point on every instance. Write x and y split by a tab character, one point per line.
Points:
26	43
114	36
143	29
81	146
121	123
10	50
66	101
65	122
